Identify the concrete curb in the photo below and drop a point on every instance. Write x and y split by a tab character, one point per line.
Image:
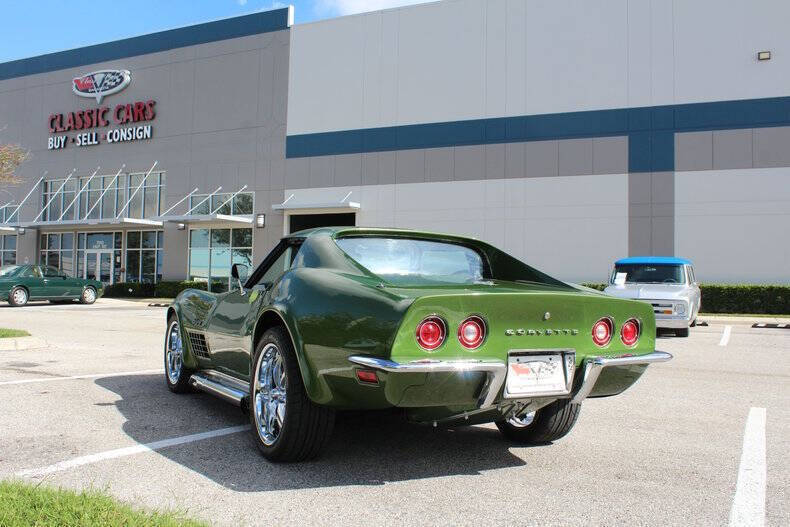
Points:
21	343
747	320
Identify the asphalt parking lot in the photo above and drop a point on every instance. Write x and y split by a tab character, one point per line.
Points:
89	407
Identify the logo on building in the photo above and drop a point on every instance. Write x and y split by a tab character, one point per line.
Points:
101	83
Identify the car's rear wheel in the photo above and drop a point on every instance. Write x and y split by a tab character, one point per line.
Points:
18	296
542	426
88	295
176	374
286	424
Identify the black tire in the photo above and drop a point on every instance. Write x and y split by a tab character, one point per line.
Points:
88	295
550	423
306	427
684	332
178	383
20	299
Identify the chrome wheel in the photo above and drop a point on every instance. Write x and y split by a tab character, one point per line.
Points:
19	296
269	395
174	353
523	420
89	295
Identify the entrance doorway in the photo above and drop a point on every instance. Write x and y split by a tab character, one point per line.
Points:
99	265
300	222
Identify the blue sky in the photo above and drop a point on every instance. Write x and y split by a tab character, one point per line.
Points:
44	26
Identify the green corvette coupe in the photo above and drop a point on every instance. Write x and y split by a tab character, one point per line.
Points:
20	283
449	329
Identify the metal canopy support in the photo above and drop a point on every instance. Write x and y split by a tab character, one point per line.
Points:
16	210
87	214
45	207
179	202
229	199
203	200
136	190
78	193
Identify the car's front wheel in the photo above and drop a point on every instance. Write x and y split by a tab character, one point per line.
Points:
88	295
18	296
176	374
541	426
286	424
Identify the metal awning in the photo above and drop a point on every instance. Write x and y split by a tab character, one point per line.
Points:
97	222
344	205
186	219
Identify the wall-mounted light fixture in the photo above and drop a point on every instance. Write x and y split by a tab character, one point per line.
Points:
181	226
763	55
21	231
260	221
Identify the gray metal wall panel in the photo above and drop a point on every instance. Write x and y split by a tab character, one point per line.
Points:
694	151
772	147
732	149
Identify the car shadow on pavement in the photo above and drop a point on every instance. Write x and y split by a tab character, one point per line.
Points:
367	448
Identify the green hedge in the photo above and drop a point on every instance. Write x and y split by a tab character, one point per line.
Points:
750	299
158	290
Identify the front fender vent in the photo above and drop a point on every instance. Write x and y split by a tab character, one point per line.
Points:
198	344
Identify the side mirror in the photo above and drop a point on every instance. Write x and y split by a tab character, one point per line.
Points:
239	273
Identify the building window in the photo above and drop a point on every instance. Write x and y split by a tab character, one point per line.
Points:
213	251
7	250
241	204
144	253
57	250
104	197
7	212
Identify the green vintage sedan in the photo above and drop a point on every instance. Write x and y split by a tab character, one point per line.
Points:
449	329
21	283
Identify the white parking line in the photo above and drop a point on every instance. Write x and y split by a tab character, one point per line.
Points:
748	506
129	451
90	376
725	337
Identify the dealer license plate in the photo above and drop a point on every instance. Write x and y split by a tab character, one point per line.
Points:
535	375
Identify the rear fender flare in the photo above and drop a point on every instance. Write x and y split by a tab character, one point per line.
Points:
316	390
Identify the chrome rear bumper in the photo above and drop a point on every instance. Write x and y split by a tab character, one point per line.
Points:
594	366
496	371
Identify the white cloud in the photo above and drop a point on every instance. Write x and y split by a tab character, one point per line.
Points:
242	2
347	7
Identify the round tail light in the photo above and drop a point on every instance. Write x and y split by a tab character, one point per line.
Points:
430	333
472	332
629	333
602	332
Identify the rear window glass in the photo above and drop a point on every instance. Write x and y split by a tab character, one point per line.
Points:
650	274
405	261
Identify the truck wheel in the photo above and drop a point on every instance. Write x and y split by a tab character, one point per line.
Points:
176	374
542	426
683	332
286	424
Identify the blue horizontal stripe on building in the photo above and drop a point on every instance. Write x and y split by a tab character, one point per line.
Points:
650	130
236	27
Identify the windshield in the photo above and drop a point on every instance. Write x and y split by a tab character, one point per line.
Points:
10	270
650	274
405	261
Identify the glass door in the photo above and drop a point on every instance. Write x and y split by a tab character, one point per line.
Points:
99	266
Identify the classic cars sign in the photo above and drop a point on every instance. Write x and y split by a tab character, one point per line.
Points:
101	83
131	117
